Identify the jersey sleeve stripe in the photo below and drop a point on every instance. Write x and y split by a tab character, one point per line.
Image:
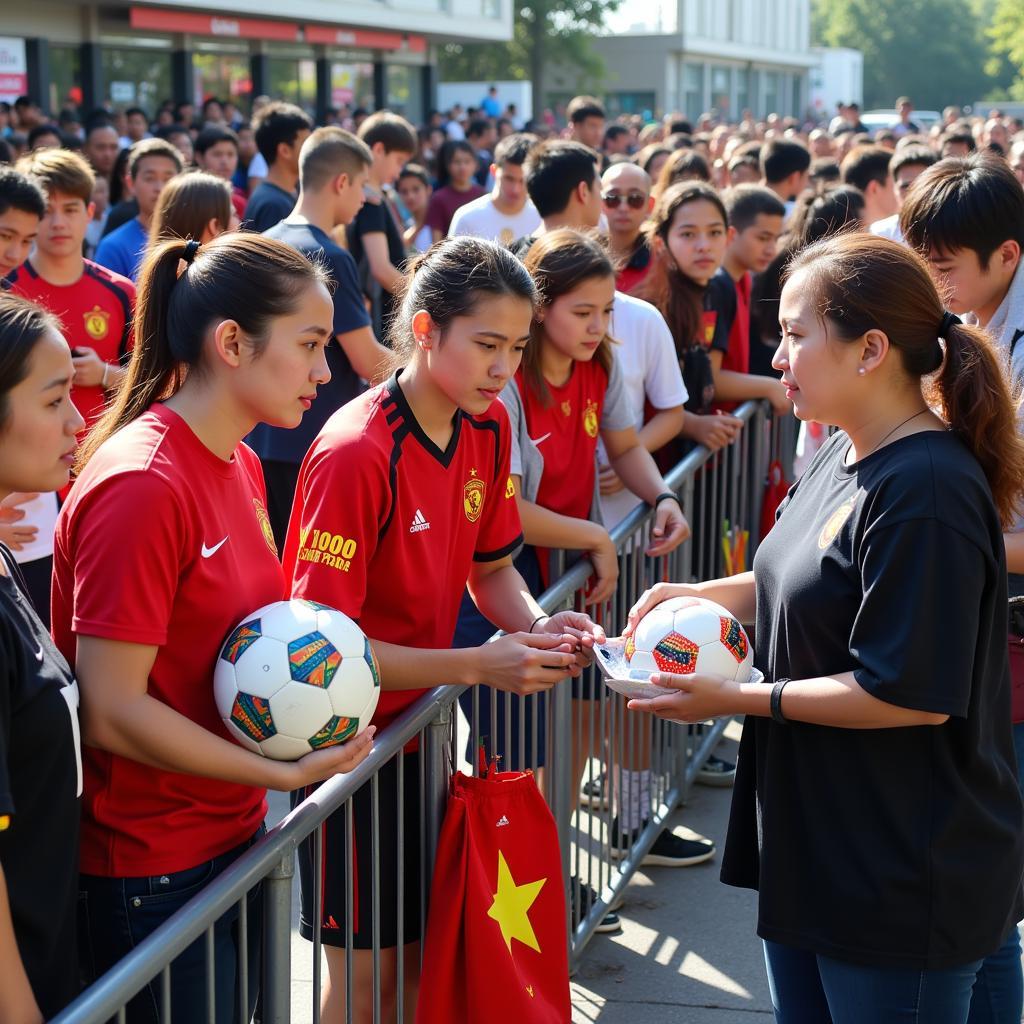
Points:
493	556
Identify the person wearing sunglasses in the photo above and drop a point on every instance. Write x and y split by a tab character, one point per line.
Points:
626	201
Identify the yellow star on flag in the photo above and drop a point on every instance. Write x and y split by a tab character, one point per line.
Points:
511	907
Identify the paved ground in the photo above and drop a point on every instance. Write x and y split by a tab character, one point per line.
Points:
687	953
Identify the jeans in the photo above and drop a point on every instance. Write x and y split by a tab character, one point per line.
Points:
810	989
116	914
999	990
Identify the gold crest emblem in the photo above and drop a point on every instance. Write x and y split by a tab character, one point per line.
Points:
590	418
510	489
835	523
97	323
567	408
265	528
473	496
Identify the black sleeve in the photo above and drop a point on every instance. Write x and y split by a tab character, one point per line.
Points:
7	659
721	297
916	632
371	218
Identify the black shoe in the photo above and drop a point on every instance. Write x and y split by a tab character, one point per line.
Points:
668	850
717	772
586	897
593	792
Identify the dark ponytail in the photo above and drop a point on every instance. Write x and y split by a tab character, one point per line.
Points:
448	280
247	278
864	282
22	324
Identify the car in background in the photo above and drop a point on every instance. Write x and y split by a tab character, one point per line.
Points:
874	120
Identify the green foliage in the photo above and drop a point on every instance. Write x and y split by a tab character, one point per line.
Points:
936	51
1006	33
546	33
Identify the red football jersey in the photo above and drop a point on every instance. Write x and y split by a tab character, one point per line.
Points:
164	544
385	525
95	312
566	433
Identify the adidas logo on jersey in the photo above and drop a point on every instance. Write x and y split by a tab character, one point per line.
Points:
418	523
502	821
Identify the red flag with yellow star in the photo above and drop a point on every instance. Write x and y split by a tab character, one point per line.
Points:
496	947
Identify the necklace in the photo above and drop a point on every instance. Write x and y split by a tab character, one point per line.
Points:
921	412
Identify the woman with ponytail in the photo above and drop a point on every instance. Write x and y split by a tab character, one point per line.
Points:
876	807
162	547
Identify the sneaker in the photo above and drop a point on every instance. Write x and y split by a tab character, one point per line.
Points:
717	772
593	793
586	897
667	851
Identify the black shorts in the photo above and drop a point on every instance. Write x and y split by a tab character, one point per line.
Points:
393	849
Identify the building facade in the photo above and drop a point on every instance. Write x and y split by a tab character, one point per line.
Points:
730	55
317	53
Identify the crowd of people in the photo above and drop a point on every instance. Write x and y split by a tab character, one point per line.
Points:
460	348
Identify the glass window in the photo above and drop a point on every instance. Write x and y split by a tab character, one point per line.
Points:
492	8
630	103
771	92
294	81
352	83
693	90
721	89
224	75
65	77
742	91
404	92
136	77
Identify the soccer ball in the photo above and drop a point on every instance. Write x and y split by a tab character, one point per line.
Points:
685	635
293	677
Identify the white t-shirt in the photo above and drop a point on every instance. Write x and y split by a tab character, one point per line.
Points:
888	227
257	167
482	219
40	512
650	370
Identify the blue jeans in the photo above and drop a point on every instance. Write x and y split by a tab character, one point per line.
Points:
999	990
116	914
810	989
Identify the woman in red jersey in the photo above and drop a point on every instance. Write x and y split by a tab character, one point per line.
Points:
162	547
403	499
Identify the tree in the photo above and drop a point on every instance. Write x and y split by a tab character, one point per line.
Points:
545	32
1007	35
934	51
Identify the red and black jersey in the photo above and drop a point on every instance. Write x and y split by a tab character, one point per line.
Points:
386	525
95	312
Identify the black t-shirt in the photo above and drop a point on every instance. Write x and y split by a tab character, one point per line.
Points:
277	443
40	775
890	847
377	217
719	311
268	205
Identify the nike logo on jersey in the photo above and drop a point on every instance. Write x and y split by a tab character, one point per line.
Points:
543	437
208	552
419	523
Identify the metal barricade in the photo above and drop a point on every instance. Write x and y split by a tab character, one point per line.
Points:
588	737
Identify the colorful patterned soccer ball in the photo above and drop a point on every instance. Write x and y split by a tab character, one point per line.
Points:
689	634
293	677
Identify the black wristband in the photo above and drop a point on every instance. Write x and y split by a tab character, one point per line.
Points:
536	620
667	496
776	702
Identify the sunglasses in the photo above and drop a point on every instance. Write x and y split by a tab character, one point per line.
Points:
635	200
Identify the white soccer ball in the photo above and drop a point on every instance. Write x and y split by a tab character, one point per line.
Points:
293	677
687	635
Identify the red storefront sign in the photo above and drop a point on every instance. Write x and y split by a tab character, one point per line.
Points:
156	20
